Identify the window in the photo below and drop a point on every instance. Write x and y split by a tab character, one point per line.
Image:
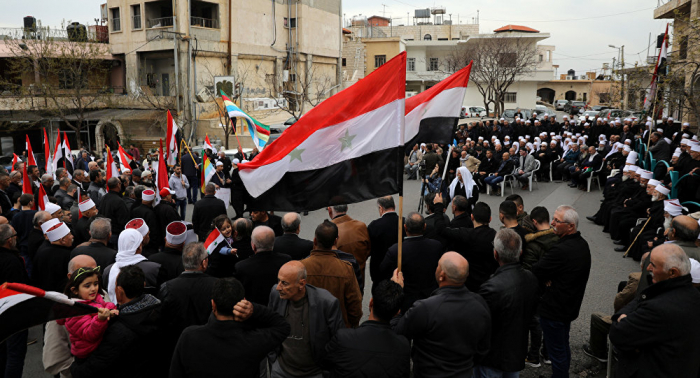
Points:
136	16
443	39
116	20
293	78
379	60
541	57
411	64
434	64
427	37
344	62
290	23
511	97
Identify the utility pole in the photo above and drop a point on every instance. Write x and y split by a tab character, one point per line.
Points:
622	79
384	11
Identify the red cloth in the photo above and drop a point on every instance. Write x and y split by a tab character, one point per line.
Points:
86	331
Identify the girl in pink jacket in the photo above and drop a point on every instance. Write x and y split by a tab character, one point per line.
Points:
86	331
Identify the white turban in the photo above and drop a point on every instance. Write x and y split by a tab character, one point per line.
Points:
129	242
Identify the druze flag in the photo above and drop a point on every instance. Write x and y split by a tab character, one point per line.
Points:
213	240
432	115
347	149
23	306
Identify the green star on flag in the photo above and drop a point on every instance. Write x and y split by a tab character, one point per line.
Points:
346	140
296	154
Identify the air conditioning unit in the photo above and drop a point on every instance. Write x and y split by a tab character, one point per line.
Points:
584	77
285	76
204	95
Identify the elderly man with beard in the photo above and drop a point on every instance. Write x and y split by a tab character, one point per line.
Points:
646	231
636	203
623	221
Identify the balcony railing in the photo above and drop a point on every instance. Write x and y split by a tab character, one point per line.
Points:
116	24
162	22
136	21
204	22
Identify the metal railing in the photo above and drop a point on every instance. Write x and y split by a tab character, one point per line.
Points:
116	24
136	21
162	22
204	22
46	33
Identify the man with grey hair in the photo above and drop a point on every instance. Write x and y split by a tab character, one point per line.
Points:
258	273
564	270
62	197
36	237
186	299
290	243
511	294
656	334
420	259
97	246
450	328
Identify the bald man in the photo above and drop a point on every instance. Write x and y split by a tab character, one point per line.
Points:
259	272
451	327
290	243
301	355
656	334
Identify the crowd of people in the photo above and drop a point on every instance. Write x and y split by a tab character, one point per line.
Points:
474	297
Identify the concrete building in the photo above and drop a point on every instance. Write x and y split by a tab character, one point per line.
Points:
586	87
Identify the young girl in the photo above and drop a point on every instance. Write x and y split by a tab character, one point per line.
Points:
86	331
222	262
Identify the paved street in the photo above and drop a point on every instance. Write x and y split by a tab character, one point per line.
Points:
608	269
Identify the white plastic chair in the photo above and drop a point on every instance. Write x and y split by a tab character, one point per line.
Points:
551	173
595	176
506	179
538	164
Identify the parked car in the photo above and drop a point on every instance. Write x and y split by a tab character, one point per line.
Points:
560	104
509	114
614	113
598	108
473	112
541	110
590	113
575	107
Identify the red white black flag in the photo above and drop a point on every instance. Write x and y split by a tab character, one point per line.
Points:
347	149
24	306
659	70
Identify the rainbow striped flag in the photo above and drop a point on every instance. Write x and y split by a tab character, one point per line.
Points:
207	171
259	131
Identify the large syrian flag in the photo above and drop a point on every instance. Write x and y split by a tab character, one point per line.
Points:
347	149
171	140
30	154
658	71
23	306
432	115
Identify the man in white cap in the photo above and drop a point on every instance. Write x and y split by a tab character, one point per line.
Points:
81	229
53	209
633	208
166	209
147	179
221	177
50	261
170	258
140	225
146	212
647	230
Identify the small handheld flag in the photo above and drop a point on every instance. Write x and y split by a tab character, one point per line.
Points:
213	240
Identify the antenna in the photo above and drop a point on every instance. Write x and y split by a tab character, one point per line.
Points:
384	10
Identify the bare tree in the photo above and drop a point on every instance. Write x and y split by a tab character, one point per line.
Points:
69	76
311	90
233	91
499	61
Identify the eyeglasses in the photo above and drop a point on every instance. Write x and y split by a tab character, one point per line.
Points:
10	237
80	271
558	221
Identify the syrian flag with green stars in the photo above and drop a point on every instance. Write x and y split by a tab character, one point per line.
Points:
347	149
213	240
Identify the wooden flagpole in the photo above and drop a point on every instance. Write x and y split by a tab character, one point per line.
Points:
400	252
189	150
635	239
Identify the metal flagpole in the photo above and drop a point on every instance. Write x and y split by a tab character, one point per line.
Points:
400	252
444	171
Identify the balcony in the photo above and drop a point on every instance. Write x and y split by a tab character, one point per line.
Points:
668	8
161	22
204	22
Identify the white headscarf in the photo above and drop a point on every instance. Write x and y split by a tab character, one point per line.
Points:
129	241
467	182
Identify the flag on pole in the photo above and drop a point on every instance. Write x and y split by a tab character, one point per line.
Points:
213	240
347	149
207	172
23	306
171	141
42	198
207	143
30	154
47	154
67	154
258	131
111	166
26	182
659	70
124	158
162	170
432	115
57	152
15	160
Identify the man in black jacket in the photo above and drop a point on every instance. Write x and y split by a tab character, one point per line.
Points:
450	329
656	334
205	210
511	294
100	233
258	273
263	218
14	349
290	243
372	349
505	168
591	163
166	210
383	233
420	259
474	243
564	270
146	212
81	228
134	336
190	168
170	258
186	299
51	260
236	338
462	210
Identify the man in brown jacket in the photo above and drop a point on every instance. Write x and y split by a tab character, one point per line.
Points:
353	236
325	270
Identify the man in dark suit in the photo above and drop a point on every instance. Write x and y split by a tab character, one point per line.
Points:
420	259
383	233
475	244
661	150
258	273
462	210
205	210
590	164
290	243
430	231
190	168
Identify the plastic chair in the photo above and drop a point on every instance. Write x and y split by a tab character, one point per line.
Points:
674	187
507	178
537	168
551	163
595	176
660	173
691	203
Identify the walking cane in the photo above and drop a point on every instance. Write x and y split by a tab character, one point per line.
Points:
635	239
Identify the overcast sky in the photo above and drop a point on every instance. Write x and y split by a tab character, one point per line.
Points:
580	30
